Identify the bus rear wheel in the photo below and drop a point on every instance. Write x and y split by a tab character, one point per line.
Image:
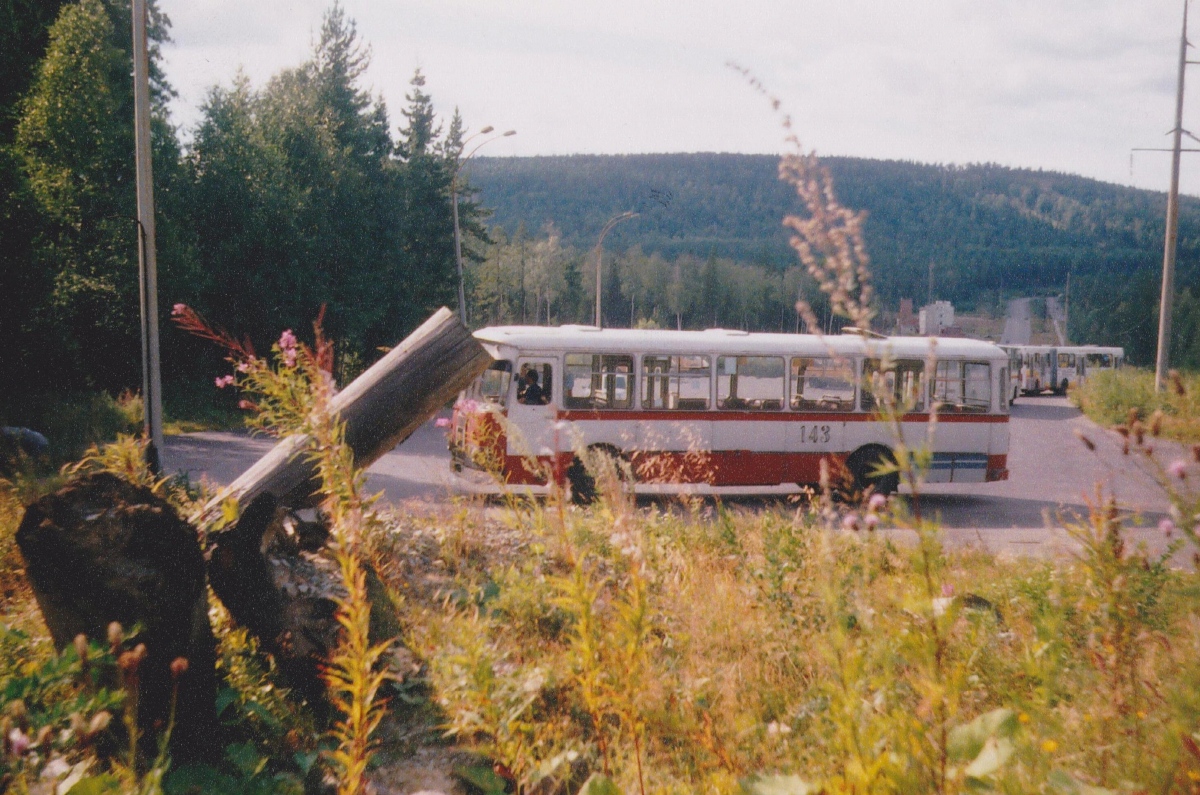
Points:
862	464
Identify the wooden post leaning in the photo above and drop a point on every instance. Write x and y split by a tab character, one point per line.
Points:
279	584
381	408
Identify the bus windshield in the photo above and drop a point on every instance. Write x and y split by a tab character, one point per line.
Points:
493	384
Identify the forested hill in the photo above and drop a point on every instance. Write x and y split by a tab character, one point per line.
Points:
987	230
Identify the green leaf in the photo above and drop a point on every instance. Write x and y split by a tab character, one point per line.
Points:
263	714
97	785
483	778
199	779
966	742
305	761
778	785
247	758
598	784
226	697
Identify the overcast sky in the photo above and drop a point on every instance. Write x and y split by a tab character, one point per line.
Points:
1064	85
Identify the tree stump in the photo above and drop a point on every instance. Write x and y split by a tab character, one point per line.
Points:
278	579
101	550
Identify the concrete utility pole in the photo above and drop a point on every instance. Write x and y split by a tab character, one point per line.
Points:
147	257
1161	362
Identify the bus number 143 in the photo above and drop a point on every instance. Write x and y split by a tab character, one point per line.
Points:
814	433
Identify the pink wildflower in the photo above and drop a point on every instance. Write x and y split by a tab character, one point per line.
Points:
850	521
1178	468
947	590
442	422
287	340
178	310
243	367
877	503
18	741
223	381
1167	527
289	357
871	520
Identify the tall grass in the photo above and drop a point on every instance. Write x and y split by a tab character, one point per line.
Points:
679	654
73	423
1108	397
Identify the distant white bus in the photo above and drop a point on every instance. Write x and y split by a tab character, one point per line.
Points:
1055	368
727	408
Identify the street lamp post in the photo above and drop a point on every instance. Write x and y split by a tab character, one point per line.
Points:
462	161
616	219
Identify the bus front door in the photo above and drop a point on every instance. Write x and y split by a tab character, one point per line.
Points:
532	415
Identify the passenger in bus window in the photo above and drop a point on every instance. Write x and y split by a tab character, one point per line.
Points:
532	394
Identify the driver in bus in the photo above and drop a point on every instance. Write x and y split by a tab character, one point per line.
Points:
532	394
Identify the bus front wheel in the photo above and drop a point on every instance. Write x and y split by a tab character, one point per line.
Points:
863	463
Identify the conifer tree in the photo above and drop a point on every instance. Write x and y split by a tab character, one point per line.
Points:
427	226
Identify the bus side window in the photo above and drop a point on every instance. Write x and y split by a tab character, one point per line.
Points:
962	386
822	385
535	384
750	383
682	383
904	383
598	381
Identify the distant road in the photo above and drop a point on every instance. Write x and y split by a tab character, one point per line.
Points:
1052	474
1018	323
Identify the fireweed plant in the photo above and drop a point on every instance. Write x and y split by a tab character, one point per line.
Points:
289	395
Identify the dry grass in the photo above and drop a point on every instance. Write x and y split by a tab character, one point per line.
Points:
771	644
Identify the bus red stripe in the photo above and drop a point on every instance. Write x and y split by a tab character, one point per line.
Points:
761	416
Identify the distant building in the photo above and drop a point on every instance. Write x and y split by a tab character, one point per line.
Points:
936	317
906	319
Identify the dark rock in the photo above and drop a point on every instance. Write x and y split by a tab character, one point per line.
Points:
20	447
101	550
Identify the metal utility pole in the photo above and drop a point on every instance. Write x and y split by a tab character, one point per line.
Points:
616	219
1168	279
147	258
454	187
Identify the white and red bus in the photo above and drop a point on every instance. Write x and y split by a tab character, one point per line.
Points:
1037	368
756	409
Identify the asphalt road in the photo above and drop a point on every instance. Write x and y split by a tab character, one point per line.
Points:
1052	475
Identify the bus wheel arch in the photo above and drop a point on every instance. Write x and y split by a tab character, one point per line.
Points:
581	479
861	464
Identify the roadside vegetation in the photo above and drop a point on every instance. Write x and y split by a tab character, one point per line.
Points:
688	646
1114	397
549	648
